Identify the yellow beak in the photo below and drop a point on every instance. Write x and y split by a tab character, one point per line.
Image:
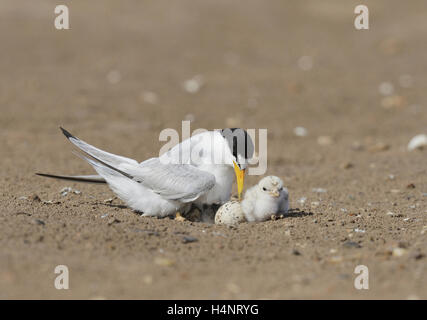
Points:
240	177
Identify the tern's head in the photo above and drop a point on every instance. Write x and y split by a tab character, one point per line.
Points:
241	149
272	186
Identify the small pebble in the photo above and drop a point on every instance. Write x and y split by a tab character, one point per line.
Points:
164	262
65	191
315	204
194	84
113	221
359	230
300	132
418	142
189	239
302	200
378	147
351	244
346	165
35	198
398	252
386	88
39	222
295	252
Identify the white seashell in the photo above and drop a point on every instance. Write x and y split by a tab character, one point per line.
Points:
230	213
417	142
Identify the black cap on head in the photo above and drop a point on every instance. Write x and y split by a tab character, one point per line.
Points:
239	141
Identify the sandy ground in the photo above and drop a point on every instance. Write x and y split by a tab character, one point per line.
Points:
94	79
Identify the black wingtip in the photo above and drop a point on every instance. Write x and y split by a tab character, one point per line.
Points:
44	175
66	133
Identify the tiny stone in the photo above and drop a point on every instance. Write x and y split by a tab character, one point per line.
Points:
300	132
319	190
346	165
379	147
164	262
194	84
398	252
315	204
39	222
189	239
359	230
35	197
112	221
351	244
418	142
295	252
65	191
302	200
386	88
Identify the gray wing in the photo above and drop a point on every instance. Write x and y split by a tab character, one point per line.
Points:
182	182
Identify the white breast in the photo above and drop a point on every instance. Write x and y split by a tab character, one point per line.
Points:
221	192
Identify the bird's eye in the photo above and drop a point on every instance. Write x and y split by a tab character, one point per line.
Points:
280	189
265	189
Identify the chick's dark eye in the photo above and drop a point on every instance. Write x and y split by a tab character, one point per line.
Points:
280	189
264	189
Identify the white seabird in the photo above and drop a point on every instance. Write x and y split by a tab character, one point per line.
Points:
200	170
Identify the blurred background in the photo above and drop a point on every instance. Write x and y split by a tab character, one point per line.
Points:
332	97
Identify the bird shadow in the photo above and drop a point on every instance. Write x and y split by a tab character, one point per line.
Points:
111	205
296	213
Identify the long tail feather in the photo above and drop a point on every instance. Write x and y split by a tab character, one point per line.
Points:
86	179
107	159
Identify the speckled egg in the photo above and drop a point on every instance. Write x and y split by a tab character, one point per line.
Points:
230	213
